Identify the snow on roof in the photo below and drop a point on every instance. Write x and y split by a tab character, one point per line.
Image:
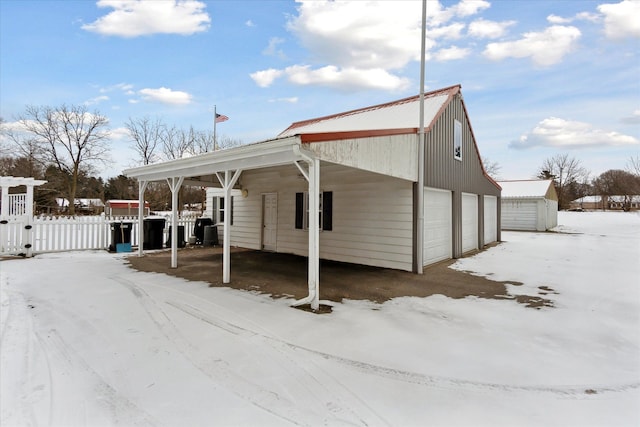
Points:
588	199
526	188
399	114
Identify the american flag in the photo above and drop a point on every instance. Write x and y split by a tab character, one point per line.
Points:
221	118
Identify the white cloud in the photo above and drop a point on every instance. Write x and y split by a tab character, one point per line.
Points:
560	133
581	16
249	23
165	96
555	19
367	44
437	15
544	48
125	87
265	78
133	18
482	28
96	100
345	79
360	34
272	48
290	100
451	53
621	20
452	31
633	119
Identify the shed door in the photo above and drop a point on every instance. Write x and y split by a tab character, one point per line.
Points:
519	214
469	222
437	226
490	219
269	221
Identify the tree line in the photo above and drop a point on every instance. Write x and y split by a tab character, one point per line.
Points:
573	181
66	145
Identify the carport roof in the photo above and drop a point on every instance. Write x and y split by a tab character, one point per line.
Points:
264	154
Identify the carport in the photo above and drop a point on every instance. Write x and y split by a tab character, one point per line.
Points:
222	169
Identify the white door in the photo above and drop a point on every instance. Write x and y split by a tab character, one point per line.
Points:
469	222
437	226
490	219
519	214
269	221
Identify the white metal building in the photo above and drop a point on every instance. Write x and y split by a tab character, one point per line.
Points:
530	205
345	187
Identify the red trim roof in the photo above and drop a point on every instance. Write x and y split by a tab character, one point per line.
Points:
449	91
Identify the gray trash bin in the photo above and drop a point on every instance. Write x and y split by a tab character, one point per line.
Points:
210	236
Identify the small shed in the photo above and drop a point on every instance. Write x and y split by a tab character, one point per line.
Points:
530	205
124	208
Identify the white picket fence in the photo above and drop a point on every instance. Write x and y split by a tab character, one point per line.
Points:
55	234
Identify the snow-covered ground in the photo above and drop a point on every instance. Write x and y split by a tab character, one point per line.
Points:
88	341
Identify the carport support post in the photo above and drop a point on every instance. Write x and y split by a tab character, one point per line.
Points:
174	186
142	186
227	182
314	232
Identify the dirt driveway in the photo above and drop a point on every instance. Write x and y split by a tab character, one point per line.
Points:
281	275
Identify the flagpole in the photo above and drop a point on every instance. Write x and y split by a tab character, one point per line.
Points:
421	150
215	116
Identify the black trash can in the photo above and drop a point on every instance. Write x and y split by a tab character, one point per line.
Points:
210	236
153	230
120	237
198	229
181	241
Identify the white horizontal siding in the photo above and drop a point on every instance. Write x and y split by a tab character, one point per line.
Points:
519	214
389	155
372	215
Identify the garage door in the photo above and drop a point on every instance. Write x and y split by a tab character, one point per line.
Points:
469	222
490	219
518	214
437	226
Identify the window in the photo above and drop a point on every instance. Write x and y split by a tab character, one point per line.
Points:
325	211
219	210
457	140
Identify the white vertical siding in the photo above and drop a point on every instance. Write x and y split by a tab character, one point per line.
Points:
552	213
469	222
372	215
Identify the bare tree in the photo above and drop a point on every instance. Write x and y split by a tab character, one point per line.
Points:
203	142
70	138
176	142
633	165
491	168
566	173
146	134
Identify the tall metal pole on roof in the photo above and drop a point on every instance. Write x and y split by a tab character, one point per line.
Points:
421	151
215	116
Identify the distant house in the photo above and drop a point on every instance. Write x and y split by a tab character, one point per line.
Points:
124	208
530	205
626	203
347	187
614	203
587	203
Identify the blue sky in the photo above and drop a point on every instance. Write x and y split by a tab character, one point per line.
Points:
538	77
